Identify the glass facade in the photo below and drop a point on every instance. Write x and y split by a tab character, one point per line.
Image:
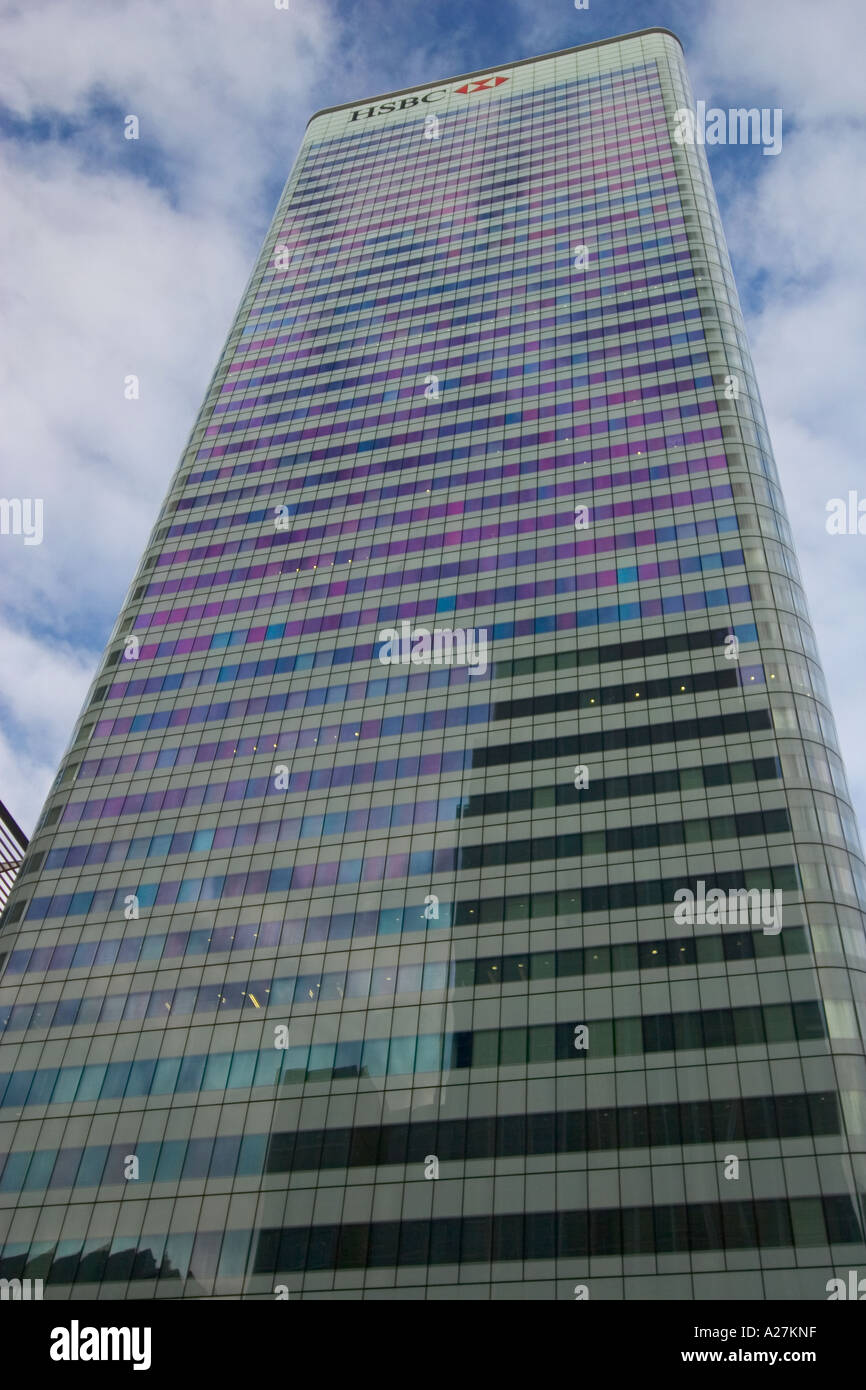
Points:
451	888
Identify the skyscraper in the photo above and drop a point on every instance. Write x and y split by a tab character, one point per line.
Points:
451	888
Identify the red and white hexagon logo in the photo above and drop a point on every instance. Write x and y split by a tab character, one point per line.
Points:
480	84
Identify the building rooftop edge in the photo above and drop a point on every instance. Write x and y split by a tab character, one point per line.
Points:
521	62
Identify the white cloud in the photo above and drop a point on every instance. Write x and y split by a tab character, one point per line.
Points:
39	707
797	233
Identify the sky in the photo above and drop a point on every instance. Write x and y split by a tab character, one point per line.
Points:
129	257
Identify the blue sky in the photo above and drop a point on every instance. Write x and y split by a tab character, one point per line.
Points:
129	257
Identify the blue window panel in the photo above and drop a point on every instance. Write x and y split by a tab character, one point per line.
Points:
169	1165
113	1006
93	1166
67	1084
43	1013
224	1159
15	1171
421	862
347	1060
197	1158
350	871
184	1000
267	1067
242	1070
307	989
436	974
282	991
216	1072
115	1080
66	1167
190	890
253	1149
234	1254
164	1076
211	887
332	986
65	1013
321	1060
192	1070
294	1062
91	1082
44	1081
401	1056
375	1056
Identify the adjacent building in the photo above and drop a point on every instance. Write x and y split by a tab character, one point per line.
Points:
451	888
13	845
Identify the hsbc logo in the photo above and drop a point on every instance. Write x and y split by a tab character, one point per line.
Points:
476	84
483	84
